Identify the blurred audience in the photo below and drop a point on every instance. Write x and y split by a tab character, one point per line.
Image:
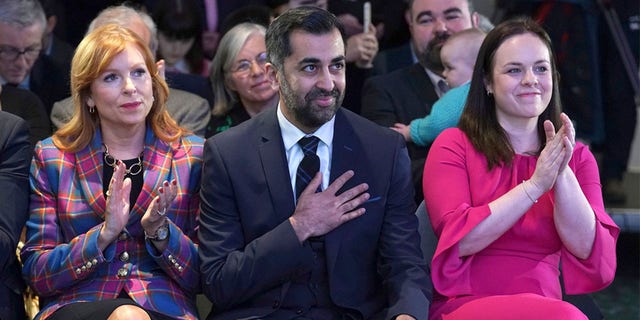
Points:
60	51
620	102
22	28
258	14
189	110
458	56
240	82
409	93
179	41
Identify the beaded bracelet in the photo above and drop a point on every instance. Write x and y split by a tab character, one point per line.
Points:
527	193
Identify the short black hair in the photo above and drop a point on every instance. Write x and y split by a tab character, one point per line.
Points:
309	19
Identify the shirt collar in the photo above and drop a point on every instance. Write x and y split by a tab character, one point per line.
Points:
291	134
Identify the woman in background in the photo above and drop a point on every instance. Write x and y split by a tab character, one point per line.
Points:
179	41
512	199
240	84
115	194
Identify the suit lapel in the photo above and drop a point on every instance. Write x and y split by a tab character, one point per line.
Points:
274	165
346	154
89	171
157	163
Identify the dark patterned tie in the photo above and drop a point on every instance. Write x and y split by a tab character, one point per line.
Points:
443	86
310	164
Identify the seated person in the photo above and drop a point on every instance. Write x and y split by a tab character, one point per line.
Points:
189	110
15	157
115	194
513	200
458	56
179	41
240	82
307	209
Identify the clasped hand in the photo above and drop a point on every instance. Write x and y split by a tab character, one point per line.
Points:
317	213
555	155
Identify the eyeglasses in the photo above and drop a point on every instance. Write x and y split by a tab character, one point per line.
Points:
10	53
243	67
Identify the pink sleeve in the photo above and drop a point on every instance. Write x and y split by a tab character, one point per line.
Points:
447	196
597	271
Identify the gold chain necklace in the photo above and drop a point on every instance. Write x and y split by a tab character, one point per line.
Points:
135	168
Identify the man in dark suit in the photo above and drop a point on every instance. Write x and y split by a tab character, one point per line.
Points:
343	247
15	156
22	28
409	93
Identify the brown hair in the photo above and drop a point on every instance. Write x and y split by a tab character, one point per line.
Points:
92	57
479	120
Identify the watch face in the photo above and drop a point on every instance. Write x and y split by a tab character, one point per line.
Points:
162	233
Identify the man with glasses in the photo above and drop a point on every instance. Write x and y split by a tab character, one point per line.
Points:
22	27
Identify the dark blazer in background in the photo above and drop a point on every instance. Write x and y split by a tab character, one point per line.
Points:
15	157
399	97
249	250
26	105
393	59
50	81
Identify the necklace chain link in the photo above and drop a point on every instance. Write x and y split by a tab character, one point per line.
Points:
135	168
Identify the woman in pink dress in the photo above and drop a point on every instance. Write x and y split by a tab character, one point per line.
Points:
513	198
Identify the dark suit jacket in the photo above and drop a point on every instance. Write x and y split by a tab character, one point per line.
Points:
399	97
50	81
248	248
393	59
26	105
15	157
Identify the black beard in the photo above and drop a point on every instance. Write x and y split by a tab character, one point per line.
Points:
304	111
430	58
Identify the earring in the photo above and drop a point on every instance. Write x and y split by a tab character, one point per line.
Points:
489	93
92	109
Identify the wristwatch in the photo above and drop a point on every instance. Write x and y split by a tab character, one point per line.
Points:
161	234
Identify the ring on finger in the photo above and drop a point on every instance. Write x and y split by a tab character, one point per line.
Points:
161	212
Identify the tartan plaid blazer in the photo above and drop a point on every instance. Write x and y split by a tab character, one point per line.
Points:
62	262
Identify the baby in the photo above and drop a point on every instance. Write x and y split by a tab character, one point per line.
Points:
458	55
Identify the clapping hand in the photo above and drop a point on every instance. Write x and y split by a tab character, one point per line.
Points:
556	154
154	217
116	214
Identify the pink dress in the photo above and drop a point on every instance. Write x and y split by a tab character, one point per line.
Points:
518	274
